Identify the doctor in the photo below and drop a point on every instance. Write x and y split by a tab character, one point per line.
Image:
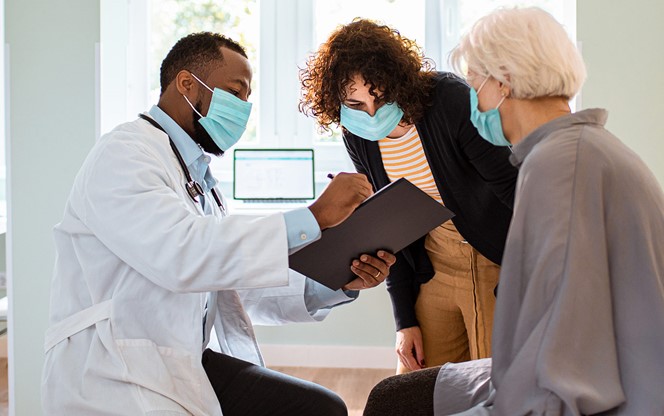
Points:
148	263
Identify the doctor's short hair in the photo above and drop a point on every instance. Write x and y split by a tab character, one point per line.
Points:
527	49
195	53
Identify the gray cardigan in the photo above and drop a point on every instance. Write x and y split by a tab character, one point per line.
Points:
579	323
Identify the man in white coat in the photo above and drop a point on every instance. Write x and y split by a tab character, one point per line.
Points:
148	263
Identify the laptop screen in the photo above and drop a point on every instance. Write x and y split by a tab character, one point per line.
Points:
273	174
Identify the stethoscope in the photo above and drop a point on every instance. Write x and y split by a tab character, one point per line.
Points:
194	189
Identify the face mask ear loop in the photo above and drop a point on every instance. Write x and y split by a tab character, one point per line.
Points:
501	101
481	85
202	83
498	106
192	107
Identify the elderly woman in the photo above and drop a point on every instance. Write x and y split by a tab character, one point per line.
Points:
401	119
579	323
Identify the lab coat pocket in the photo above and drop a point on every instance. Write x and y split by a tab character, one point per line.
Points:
168	380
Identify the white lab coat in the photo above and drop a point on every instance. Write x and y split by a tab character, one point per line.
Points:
135	258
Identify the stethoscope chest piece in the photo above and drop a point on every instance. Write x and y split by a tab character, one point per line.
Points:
194	190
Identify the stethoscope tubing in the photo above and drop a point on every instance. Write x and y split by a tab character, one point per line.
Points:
193	188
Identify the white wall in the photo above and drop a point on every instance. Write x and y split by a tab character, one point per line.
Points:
51	127
621	42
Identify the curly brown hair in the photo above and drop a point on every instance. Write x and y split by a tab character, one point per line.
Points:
386	60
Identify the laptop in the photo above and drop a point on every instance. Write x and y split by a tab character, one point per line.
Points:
269	177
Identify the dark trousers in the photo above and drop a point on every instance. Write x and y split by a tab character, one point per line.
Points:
245	389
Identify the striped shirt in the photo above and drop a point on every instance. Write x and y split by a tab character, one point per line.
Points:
404	157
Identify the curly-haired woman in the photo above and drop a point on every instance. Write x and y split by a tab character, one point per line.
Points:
402	119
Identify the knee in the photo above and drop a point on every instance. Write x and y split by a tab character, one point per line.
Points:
403	394
383	397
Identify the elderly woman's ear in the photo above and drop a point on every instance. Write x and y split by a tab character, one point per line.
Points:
505	90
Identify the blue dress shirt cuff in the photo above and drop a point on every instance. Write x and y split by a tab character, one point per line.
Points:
318	297
301	228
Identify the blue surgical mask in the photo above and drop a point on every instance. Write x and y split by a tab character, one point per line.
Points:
226	118
487	123
374	128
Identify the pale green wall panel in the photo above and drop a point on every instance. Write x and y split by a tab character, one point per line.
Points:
622	45
365	322
51	128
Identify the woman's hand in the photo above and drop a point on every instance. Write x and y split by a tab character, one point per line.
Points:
410	348
370	271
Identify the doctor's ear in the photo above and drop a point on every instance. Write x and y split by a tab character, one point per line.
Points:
185	83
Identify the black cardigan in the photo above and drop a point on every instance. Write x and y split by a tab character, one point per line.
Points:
475	180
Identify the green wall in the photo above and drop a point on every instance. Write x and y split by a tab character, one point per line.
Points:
51	113
366	322
621	42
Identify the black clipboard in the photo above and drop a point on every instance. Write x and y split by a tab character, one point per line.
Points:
391	219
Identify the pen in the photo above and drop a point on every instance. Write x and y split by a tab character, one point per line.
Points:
331	176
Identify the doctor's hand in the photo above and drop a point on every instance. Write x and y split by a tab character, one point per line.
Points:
342	195
410	348
370	271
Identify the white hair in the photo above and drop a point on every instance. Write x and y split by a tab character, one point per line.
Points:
527	49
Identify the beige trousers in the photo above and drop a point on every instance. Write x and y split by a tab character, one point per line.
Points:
455	308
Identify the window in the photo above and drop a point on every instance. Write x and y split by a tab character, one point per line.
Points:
170	20
278	35
455	17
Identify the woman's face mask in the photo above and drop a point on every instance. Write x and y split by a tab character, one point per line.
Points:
226	118
488	123
374	128
362	113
